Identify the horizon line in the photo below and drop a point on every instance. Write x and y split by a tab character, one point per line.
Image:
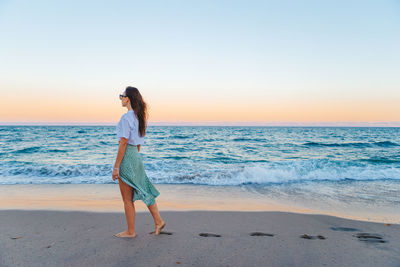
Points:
219	123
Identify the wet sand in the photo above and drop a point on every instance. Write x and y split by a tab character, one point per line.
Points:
107	198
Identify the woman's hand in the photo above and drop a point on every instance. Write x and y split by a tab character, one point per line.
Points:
115	174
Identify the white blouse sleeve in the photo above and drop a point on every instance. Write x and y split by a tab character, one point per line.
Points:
125	129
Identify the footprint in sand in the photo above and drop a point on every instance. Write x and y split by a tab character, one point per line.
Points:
162	233
305	236
370	238
209	234
260	234
345	229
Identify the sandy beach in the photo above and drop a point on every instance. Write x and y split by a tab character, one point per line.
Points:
194	238
73	225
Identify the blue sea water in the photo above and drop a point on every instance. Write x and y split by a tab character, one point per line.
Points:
349	164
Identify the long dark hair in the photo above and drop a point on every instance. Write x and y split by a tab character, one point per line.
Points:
139	107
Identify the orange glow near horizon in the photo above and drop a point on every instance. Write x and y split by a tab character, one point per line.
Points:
71	110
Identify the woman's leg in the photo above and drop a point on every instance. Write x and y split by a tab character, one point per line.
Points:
127	196
159	223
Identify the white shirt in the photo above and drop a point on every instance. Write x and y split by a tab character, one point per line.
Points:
128	127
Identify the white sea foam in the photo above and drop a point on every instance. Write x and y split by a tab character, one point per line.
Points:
188	171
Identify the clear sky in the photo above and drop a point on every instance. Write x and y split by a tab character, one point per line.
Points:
201	61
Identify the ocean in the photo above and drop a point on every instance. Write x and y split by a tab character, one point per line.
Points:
359	165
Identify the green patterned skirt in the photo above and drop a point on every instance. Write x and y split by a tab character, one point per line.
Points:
131	171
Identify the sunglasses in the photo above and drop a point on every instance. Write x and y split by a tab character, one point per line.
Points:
121	96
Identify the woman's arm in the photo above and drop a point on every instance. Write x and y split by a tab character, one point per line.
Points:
138	147
121	151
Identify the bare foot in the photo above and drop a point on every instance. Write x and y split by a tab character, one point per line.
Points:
159	227
125	234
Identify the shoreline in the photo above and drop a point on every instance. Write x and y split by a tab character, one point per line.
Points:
173	197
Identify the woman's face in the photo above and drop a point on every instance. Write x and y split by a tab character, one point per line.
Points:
124	99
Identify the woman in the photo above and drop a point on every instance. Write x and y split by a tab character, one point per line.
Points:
128	169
